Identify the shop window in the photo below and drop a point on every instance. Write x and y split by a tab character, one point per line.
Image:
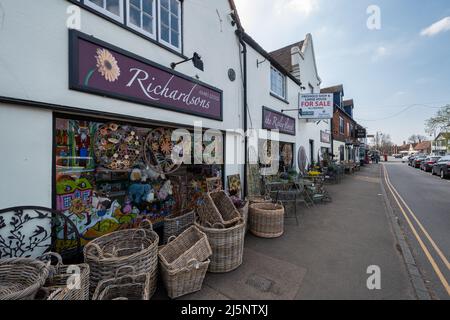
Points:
277	83
111	176
110	8
141	16
170	23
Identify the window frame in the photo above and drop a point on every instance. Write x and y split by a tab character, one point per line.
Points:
284	87
92	5
140	29
341	125
180	26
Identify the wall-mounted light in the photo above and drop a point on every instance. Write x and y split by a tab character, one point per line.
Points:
196	60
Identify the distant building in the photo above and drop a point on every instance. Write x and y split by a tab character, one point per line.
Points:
441	145
423	147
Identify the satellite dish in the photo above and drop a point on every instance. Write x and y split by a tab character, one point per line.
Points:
302	160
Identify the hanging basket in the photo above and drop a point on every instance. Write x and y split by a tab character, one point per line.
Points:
227	245
21	278
186	280
129	287
176	223
137	248
218	208
267	220
59	277
192	244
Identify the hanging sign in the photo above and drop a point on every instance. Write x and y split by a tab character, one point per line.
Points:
316	106
325	137
274	120
361	133
100	68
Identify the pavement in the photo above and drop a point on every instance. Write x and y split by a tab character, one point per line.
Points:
426	204
326	256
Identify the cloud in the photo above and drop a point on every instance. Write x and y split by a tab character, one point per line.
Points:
436	28
304	7
380	53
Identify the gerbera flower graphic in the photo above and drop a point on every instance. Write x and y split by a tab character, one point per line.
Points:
107	66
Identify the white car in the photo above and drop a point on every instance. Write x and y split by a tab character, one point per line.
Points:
405	159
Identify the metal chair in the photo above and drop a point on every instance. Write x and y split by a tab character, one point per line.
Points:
31	231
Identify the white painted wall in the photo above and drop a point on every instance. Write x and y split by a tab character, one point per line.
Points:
25	157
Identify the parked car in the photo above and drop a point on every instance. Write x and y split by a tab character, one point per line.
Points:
412	158
427	164
418	161
397	156
442	167
405	159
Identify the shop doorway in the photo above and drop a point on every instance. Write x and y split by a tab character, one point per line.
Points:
311	151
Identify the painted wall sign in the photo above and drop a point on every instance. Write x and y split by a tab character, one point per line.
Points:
325	137
100	68
274	120
316	106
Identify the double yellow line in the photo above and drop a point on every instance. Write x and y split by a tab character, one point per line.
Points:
403	206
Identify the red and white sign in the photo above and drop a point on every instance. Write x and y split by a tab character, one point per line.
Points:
316	106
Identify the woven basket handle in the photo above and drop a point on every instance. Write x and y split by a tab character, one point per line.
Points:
133	270
218	225
49	255
146	224
171	238
97	248
193	263
141	231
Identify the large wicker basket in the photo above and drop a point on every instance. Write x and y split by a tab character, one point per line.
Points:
129	287
218	208
259	199
267	220
192	244
62	277
227	245
176	223
21	278
137	248
186	280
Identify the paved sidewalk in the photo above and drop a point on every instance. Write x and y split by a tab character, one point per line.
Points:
326	257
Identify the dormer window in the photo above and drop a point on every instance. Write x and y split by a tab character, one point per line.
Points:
277	83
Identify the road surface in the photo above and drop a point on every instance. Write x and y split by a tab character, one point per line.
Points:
422	203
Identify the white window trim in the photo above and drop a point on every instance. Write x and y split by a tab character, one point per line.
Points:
168	44
106	12
284	83
141	30
341	120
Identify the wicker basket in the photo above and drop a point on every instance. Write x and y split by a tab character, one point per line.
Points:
244	214
192	244
227	245
60	275
176	223
189	279
137	248
129	287
21	278
267	220
259	199
218	208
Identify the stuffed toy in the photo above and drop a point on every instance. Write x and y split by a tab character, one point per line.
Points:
165	191
138	192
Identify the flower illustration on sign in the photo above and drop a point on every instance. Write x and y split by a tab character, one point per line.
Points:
106	65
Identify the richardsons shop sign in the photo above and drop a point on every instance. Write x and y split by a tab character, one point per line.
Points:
274	120
100	68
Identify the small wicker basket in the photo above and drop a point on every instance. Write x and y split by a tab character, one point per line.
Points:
176	223
192	244
267	220
21	278
218	208
186	280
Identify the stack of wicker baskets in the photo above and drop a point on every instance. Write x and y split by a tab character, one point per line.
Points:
21	278
184	262
218	208
176	223
137	248
266	219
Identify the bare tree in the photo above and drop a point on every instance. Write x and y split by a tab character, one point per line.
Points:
440	122
416	138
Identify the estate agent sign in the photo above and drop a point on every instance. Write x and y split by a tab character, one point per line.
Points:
316	106
99	68
274	120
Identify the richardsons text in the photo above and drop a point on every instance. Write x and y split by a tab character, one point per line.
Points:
156	92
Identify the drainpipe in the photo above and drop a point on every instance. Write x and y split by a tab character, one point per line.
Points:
244	53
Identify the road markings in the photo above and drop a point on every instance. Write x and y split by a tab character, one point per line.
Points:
427	253
439	252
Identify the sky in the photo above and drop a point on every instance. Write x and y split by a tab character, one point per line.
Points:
397	74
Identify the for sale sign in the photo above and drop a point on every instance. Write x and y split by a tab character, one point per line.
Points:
316	106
